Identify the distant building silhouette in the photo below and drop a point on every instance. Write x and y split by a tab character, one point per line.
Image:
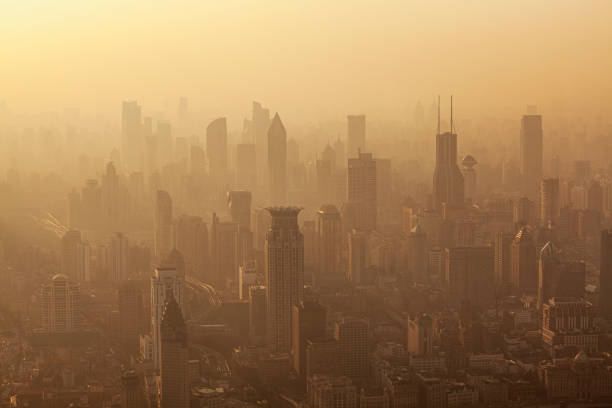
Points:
75	257
605	275
131	134
352	336
362	191
524	272
130	316
175	384
531	155
164	281
328	230
277	161
163	225
448	184
356	140
60	305
550	202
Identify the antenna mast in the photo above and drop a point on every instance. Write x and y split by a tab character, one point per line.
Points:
451	127
438	114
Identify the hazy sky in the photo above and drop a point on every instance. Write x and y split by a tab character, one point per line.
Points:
309	58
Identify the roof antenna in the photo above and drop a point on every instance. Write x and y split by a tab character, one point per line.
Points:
438	114
451	129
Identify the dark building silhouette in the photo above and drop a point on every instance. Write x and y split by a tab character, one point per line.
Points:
216	149
448	182
175	388
531	155
605	275
131	316
309	323
559	277
470	275
362	191
356	135
524	272
132	395
550	202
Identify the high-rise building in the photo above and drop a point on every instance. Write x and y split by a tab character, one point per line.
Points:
130	316
249	276
309	323
470	275
595	197
224	252
284	258
131	390
131	134
448	184
558	277
190	235
277	161
356	135
260	224
175	384
75	257
503	257
164	281
239	203
331	392
216	149
352	337
469	177
257	315
358	257
524	212
550	202
163	225
246	166
119	257
260	124
417	255
328	230
524	264
531	155
60	305
420	336
362	190
605	275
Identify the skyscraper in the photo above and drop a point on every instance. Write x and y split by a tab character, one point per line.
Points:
130	316
239	203
558	277
448	185
328	230
605	275
470	275
362	190
356	135
503	257
75	257
163	225
309	323
191	240
118	254
277	161
60	305
550	201
420	337
524	272
131	135
469	177
164	281
259	127
131	391
246	166
175	387
417	255
531	155
352	337
284	257
216	149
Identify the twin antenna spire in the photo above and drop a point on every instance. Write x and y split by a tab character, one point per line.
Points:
451	114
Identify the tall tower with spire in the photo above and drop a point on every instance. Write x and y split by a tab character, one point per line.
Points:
448	185
277	161
175	389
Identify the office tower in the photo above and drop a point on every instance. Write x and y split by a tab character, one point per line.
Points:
163	225
352	337
131	135
470	275
224	252
114	198
164	281
259	129
420	336
130	316
257	315
321	356
60	305
531	155
277	161
524	212
550	202
175	385
448	184
605	275
118	257
75	257
385	207
131	391
324	180
216	149
249	276
284	254
417	255
558	277
567	327
239	203
309	323
328	231
469	177
503	258
362	190
246	166
408	218
359	259
524	272
310	251
191	240
356	140
331	392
